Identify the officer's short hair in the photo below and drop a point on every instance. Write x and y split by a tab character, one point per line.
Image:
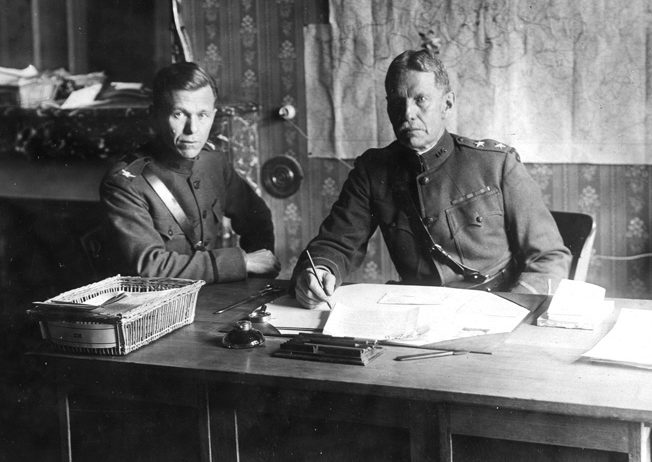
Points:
423	60
179	76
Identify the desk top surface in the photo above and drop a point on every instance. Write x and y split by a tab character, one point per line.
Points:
534	369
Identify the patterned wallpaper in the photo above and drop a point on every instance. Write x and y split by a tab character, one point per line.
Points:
255	50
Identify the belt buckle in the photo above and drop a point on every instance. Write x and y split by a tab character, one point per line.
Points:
475	276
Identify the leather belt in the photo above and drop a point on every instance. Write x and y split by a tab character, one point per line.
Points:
173	206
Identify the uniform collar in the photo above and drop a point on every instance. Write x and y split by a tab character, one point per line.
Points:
172	161
433	157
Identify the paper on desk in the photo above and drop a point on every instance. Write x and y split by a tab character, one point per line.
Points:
361	310
391	322
288	317
628	342
415	298
576	305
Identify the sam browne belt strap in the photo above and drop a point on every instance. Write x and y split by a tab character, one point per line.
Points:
173	206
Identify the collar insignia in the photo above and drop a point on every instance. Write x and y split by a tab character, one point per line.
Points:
127	174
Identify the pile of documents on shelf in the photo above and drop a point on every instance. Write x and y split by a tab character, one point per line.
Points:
30	88
27	87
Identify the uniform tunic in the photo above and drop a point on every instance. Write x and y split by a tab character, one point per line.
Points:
476	199
144	238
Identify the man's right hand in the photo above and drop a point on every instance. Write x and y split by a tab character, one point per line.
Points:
262	262
308	292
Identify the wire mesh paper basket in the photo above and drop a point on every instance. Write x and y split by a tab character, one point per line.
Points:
149	308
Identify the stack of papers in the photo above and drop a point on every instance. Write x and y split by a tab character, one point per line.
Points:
290	318
628	343
13	76
419	315
577	305
398	314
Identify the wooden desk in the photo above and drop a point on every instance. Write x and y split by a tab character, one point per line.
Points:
531	389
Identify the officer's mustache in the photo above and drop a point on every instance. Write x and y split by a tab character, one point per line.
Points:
407	127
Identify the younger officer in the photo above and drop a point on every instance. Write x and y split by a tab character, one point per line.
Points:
166	204
453	211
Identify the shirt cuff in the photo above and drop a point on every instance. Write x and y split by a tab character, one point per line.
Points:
228	264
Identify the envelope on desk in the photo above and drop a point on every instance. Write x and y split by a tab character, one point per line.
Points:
577	305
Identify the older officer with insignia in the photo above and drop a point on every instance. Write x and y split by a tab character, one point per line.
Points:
452	211
166	204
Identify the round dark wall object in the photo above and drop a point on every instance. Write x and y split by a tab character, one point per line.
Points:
281	176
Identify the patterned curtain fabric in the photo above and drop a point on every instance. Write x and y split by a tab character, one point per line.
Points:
563	82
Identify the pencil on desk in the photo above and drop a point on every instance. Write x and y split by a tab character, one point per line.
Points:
432	354
314	271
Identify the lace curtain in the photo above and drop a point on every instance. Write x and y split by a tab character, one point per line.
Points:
561	81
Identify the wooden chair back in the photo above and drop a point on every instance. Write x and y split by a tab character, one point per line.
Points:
578	232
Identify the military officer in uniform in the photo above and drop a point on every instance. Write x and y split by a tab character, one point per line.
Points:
166	204
452	211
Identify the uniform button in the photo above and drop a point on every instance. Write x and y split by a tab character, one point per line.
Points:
478	219
204	214
170	233
196	184
429	221
424	180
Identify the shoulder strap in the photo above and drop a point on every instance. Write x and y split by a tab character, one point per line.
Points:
431	248
435	250
173	206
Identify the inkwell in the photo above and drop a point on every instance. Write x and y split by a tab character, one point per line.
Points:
243	335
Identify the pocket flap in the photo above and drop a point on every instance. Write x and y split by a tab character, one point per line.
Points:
474	211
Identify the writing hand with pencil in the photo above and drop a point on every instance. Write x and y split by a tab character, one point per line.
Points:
314	286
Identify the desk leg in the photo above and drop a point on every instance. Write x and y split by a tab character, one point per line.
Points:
445	434
205	443
64	424
639	443
430	438
223	420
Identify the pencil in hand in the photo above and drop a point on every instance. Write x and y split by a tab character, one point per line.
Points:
314	271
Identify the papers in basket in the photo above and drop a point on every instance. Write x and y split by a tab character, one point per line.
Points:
576	305
108	303
628	342
419	315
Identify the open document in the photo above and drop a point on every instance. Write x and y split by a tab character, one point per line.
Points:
419	315
628	343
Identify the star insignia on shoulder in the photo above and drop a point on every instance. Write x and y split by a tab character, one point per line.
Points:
127	174
479	144
500	145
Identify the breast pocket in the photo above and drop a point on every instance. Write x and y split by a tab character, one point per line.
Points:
477	225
